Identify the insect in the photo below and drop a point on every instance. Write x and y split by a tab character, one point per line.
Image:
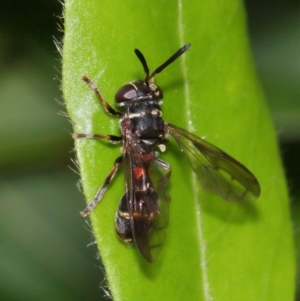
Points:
142	214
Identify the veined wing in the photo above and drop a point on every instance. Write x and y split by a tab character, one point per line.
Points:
217	172
146	201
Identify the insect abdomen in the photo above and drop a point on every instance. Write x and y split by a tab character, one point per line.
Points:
146	201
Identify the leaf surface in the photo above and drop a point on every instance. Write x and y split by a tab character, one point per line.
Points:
214	250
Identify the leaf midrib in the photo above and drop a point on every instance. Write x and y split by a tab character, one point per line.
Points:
202	243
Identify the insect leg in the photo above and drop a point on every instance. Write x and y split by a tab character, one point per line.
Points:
111	138
102	189
162	164
106	106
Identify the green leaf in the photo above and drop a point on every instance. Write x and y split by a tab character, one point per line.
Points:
214	250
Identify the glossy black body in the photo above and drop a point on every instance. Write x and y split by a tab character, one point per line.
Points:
142	130
142	214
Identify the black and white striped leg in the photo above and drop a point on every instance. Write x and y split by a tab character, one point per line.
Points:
111	138
106	106
103	188
162	164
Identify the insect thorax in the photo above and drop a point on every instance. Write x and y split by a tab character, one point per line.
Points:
146	122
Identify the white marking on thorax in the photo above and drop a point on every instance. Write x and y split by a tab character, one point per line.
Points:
134	115
162	147
154	112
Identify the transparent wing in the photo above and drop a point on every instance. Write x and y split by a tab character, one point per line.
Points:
217	172
147	201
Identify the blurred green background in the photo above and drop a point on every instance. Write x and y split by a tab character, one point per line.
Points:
46	248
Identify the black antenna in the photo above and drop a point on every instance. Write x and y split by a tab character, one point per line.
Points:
171	59
144	63
162	66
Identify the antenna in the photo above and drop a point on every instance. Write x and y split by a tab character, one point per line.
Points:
142	59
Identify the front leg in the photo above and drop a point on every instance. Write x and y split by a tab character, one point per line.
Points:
106	106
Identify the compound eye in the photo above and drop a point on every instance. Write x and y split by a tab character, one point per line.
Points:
125	93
